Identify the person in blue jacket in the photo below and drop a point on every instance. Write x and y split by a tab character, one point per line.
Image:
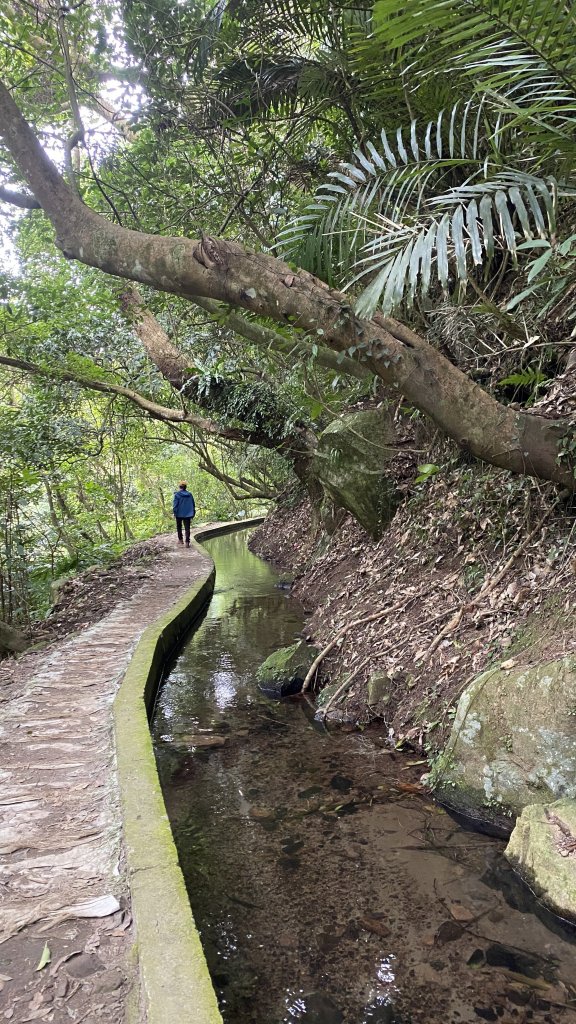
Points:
184	509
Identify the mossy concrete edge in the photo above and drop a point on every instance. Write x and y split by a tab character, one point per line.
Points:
175	983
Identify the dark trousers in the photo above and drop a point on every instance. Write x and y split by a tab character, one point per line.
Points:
186	520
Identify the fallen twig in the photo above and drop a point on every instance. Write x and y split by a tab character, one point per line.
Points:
489	585
373	617
342	689
330	646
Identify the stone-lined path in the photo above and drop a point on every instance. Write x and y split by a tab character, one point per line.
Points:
62	883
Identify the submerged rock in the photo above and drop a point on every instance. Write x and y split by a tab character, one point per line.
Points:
542	849
321	1009
284	672
336	714
513	743
198	740
352	461
326	694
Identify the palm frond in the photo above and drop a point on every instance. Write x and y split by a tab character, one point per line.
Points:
421	210
498	35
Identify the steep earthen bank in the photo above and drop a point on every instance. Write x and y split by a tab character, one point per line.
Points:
477	568
457	629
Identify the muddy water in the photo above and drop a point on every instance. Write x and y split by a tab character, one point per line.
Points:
324	890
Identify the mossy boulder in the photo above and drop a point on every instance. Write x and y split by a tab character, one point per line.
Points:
326	693
378	691
352	464
285	670
513	743
337	714
542	849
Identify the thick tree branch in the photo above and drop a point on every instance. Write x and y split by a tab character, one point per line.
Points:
153	409
299	349
18	199
297	446
224	271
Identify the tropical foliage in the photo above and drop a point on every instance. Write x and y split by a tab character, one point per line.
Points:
433	202
437	142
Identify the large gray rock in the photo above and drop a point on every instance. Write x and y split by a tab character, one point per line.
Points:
542	849
285	670
12	641
351	463
513	743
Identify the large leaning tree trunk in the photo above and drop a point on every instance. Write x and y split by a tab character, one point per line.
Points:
225	271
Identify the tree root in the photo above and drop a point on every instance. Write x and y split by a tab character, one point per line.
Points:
342	689
329	647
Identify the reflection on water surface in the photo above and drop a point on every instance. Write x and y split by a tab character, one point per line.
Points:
325	893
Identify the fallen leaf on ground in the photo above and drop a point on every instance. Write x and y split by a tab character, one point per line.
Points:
461	913
45	958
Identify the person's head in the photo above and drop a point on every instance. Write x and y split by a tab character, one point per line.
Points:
182	485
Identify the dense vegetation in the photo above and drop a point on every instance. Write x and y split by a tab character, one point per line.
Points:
418	156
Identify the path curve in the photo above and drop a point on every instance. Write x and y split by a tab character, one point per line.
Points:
63	880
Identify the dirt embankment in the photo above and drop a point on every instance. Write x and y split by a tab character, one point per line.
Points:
477	568
84	599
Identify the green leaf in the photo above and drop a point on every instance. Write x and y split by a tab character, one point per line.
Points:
519	298
425	471
45	958
539	264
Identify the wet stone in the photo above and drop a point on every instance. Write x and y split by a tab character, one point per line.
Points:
261	813
375	925
292	845
306	794
289	863
320	1009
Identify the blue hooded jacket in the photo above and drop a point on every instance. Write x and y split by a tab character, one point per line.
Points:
183	505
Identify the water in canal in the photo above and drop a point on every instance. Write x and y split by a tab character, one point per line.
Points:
324	890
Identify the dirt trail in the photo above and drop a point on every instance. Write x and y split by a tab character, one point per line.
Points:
63	891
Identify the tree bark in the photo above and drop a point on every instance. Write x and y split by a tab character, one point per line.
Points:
223	270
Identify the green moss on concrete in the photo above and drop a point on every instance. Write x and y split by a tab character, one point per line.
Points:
176	985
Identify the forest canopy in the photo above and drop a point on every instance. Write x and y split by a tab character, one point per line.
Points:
227	225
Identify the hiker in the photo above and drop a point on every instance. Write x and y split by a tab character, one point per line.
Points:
184	509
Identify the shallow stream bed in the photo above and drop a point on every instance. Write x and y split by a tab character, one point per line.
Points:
325	889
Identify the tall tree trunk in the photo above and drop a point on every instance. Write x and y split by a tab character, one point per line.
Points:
223	270
61	533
